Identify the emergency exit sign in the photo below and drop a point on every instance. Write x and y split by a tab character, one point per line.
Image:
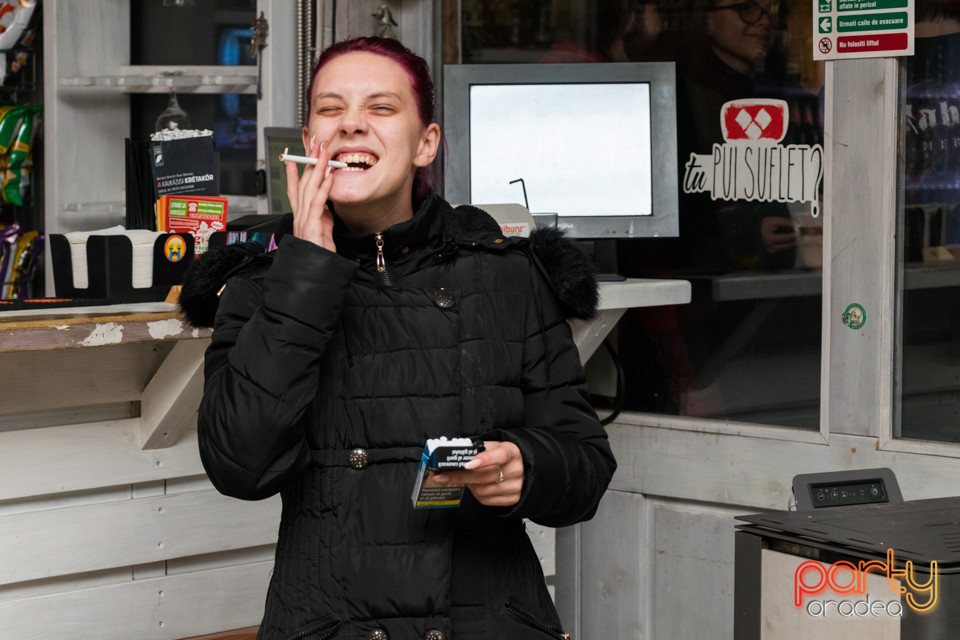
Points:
862	28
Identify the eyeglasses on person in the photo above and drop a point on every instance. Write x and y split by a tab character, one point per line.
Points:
749	12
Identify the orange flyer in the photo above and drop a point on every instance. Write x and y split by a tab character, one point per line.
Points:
199	216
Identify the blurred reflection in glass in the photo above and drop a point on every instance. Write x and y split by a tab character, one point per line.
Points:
930	407
748	347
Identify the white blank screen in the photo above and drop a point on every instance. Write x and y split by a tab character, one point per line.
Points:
581	149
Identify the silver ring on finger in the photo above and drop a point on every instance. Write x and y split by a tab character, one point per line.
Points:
500	479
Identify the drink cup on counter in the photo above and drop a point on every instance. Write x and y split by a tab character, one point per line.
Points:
810	242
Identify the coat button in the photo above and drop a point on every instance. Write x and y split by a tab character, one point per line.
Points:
444	300
378	634
434	634
359	459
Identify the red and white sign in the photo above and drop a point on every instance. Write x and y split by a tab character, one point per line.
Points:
754	120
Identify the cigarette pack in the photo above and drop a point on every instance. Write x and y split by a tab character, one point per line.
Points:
439	455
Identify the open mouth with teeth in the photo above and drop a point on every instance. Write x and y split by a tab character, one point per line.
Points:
356	161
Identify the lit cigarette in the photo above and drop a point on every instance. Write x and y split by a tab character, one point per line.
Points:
286	157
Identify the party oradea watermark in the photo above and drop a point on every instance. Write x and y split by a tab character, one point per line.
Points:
848	579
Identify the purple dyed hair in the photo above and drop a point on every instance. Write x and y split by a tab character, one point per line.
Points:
420	81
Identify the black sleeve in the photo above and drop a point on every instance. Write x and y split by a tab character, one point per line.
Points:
261	370
567	459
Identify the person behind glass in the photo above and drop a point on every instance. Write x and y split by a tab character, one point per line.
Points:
671	351
386	317
720	235
645	33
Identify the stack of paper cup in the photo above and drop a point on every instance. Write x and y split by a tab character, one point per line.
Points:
142	241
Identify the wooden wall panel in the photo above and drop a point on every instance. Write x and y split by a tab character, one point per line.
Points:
692	569
79	457
109	374
757	472
58	542
615	571
164	608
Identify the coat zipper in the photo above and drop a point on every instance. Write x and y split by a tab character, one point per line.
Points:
381	261
532	619
325	625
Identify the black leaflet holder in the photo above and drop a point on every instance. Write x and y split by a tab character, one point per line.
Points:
110	268
140	198
185	166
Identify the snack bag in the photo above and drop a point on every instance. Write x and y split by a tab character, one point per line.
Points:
27	267
14	17
11	117
8	242
19	153
22	266
15	57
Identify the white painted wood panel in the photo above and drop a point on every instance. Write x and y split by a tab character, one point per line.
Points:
64	500
53	586
221	560
147	490
110	374
83	38
758	472
164	608
55	460
615	570
860	209
169	404
692	565
59	542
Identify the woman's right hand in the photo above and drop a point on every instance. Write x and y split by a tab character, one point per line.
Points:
312	219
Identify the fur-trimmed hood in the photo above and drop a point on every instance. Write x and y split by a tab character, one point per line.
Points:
569	271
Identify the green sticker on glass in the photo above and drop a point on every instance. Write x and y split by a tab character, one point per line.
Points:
854	316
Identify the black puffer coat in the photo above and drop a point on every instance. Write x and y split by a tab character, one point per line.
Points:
323	380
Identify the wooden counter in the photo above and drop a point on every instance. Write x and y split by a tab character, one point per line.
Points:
33	330
104	363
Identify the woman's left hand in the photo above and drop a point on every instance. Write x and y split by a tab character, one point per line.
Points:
312	219
494	476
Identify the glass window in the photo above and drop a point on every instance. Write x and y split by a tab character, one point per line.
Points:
747	348
929	386
201	33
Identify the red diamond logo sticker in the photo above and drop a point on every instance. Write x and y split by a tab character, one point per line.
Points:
753	120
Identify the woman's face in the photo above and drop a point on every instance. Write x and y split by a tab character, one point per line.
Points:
742	46
364	110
